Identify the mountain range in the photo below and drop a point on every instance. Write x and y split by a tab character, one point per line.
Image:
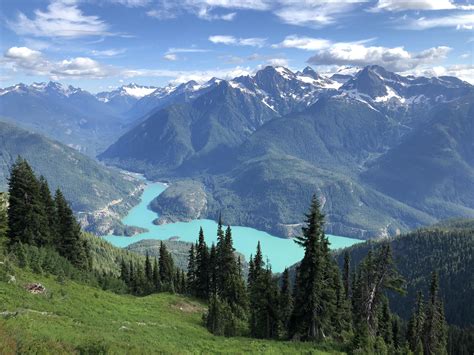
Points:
386	153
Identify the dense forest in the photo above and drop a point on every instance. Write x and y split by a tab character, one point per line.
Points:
348	307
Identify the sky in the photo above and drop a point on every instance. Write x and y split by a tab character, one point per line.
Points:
101	44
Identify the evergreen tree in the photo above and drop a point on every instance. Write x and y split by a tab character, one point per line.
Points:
315	294
125	272
69	243
435	330
50	210
213	270
27	219
148	274
166	268
202	268
264	300
416	326
156	276
231	287
286	300
191	275
346	275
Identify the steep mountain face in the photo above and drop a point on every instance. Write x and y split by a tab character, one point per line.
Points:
162	97
187	138
86	184
432	168
71	115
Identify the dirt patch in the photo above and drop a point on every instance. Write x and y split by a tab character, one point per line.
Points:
35	288
188	307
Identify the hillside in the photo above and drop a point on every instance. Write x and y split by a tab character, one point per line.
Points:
447	249
87	184
71	317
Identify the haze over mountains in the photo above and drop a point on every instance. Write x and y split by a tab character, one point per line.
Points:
386	153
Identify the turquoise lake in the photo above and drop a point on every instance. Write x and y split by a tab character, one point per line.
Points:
279	252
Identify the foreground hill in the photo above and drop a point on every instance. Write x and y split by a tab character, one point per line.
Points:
87	184
71	317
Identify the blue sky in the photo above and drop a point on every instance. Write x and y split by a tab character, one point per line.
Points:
101	44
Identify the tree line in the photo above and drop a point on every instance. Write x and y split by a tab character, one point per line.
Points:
348	307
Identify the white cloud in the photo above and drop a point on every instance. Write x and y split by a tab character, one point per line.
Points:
187	50
231	40
403	5
131	3
35	63
61	19
170	57
108	52
395	59
278	62
313	13
459	20
305	43
22	53
418	5
461	71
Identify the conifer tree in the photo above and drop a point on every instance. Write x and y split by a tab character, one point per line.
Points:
125	272
346	274
69	242
416	326
314	299
286	301
264	300
156	276
191	274
50	210
202	268
166	267
231	287
435	331
148	274
213	270
27	219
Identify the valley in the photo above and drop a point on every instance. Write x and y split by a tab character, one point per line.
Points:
279	252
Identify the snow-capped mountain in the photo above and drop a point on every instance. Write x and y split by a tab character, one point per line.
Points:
125	96
380	87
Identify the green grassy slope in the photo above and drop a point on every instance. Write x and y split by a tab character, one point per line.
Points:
72	318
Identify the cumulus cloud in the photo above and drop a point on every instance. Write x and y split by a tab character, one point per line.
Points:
61	19
395	59
306	43
231	40
35	63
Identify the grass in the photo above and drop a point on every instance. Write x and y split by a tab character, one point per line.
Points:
73	318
